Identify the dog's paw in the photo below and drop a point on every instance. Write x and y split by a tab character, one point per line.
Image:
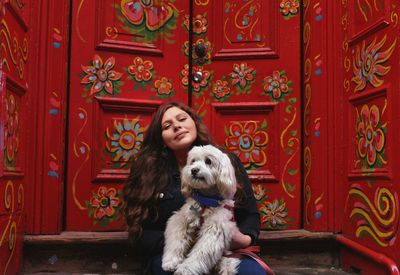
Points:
183	270
171	264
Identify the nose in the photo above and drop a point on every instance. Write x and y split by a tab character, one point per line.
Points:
194	171
177	126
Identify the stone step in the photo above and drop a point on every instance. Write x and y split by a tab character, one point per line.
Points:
294	252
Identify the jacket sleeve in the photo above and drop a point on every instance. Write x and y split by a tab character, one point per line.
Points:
247	215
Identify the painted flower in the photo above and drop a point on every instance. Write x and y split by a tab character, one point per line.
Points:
100	77
105	203
141	70
274	215
248	142
200	24
289	7
242	75
201	51
11	130
185	75
125	140
370	135
203	76
259	192
277	85
163	87
367	64
221	90
155	15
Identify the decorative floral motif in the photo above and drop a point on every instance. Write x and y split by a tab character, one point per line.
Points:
103	205
202	83
201	51
274	215
141	70
100	78
144	18
370	137
242	76
221	90
164	87
259	192
277	85
11	131
289	8
185	75
248	142
367	64
125	141
200	24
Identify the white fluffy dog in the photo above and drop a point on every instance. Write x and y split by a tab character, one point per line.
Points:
198	235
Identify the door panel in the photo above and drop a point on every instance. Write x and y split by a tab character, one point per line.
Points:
14	77
125	60
249	95
370	66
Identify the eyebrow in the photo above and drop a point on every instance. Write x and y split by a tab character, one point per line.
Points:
177	116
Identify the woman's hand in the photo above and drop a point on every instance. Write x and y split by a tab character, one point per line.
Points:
239	240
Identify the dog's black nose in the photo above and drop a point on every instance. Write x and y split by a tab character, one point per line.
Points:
194	171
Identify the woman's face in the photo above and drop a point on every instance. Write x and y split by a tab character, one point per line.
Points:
178	129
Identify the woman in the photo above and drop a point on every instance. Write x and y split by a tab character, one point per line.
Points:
152	192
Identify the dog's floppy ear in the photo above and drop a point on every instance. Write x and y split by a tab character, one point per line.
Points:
186	190
227	181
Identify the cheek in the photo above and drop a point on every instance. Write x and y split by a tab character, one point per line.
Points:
166	137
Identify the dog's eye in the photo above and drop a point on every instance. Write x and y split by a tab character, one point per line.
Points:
208	161
193	160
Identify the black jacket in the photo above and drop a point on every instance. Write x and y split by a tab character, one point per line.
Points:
151	242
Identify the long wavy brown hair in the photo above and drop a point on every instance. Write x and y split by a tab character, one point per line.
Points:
150	170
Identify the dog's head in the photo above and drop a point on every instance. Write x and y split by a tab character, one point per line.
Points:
209	171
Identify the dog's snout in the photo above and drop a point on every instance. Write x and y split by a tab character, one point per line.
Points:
194	171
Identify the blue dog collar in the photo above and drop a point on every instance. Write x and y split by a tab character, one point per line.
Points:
209	201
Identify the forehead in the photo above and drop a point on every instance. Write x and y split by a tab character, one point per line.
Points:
172	113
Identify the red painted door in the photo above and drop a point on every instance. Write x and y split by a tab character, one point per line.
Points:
14	55
127	56
370	48
125	59
247	56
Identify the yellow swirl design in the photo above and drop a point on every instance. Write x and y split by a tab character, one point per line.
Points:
394	18
307	70
307	109
382	211
307	193
78	14
87	156
291	143
11	227
307	36
112	32
8	203
11	245
17	53
76	200
346	85
347	64
201	2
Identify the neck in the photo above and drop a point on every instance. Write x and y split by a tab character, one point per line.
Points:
181	157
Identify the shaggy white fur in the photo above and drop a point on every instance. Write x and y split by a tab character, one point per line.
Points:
197	237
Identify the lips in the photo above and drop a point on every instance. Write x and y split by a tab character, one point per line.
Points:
180	135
